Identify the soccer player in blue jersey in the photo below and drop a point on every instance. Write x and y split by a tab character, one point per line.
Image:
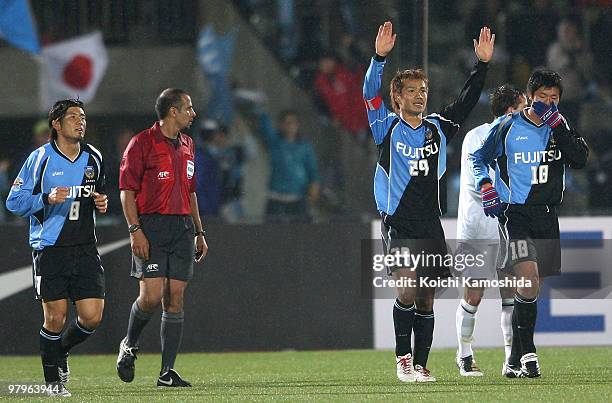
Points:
409	185
531	150
59	188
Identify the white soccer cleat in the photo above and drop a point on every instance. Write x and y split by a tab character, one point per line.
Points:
405	370
57	389
530	367
423	374
509	372
467	366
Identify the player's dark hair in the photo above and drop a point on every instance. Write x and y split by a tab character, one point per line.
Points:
544	78
504	97
58	111
397	83
169	98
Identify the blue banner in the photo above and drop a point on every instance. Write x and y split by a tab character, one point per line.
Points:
17	25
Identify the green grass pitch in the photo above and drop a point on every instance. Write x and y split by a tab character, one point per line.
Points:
582	374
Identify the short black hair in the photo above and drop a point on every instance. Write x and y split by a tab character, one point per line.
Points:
504	97
58	111
170	97
544	78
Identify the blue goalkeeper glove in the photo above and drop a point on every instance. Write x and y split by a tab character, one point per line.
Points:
490	202
548	114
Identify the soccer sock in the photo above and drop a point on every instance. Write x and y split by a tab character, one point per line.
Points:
423	336
526	311
138	320
403	318
74	334
50	354
466	320
506	324
171	334
515	352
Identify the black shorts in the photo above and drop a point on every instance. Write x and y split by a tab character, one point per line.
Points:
420	237
171	247
530	233
62	272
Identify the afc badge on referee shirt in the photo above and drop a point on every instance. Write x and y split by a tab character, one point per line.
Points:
190	169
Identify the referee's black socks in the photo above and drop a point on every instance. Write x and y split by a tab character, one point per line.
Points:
138	320
403	318
525	312
74	334
50	354
423	329
171	333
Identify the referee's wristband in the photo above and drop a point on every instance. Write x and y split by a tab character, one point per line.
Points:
197	233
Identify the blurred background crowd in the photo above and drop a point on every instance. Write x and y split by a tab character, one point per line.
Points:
282	134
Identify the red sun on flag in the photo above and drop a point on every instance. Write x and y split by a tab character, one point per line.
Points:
78	73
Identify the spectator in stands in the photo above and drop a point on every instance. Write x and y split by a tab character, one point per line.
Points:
340	90
40	133
219	172
534	25
294	178
570	56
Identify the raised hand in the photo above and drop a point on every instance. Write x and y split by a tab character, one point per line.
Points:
485	45
385	40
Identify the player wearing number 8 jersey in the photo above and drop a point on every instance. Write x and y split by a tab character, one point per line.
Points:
409	185
531	150
59	188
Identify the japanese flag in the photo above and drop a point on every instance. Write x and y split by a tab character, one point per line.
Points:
72	69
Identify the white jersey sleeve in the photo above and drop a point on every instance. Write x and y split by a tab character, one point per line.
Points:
472	223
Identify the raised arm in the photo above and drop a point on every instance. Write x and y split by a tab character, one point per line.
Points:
458	111
379	117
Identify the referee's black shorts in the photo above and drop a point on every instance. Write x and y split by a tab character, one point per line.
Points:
530	233
424	236
68	272
171	247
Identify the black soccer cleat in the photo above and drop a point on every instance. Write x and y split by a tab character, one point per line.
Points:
63	369
172	379
125	361
511	371
530	367
467	366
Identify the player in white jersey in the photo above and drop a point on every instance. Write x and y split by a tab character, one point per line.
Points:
482	233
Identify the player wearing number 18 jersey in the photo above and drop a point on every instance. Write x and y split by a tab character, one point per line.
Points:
531	150
409	185
59	188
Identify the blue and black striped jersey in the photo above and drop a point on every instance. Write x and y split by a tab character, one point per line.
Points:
409	182
69	223
530	159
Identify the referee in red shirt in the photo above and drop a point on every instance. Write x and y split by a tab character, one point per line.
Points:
157	186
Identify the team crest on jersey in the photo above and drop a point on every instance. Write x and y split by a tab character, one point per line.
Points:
90	172
17	183
552	141
428	135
